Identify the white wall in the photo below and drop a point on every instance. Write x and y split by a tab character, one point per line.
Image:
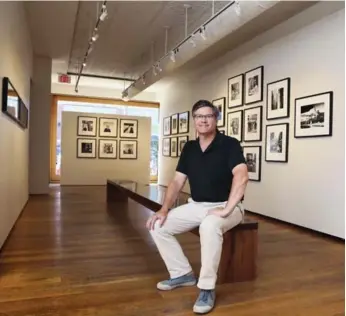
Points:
15	63
309	189
77	171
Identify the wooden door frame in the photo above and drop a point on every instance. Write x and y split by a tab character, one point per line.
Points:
54	178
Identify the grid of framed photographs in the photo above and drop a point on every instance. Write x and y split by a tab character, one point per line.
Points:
101	135
175	125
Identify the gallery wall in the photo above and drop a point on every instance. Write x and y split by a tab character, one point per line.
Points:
97	147
15	63
305	184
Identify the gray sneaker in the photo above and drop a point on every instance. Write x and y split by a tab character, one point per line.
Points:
170	284
205	302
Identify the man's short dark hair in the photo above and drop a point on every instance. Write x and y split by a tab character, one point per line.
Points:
205	103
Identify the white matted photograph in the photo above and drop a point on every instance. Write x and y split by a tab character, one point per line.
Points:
128	149
182	140
128	128
174	147
235	91
235	124
174	124
277	142
252	155
166	147
167	126
278	99
86	148
253	124
184	122
86	126
254	85
220	104
108	127
107	149
314	115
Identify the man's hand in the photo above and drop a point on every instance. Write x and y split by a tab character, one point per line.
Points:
161	215
219	211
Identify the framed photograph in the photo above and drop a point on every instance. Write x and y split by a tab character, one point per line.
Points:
220	104
277	142
166	147
278	99
174	124
253	124
108	148
184	122
167	126
108	127
253	157
222	131
314	115
128	149
235	91
235	124
86	126
182	140
86	148
174	146
254	85
128	128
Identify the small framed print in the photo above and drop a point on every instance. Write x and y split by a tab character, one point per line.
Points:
254	85
128	128
86	148
184	122
235	91
277	142
108	127
174	147
314	115
174	122
253	157
86	126
253	124
278	99
182	140
166	147
222	131
220	104
108	148
167	126
127	149
235	125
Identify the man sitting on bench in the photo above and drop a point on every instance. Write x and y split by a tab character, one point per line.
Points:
215	166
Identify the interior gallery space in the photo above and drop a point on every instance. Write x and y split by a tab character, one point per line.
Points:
102	134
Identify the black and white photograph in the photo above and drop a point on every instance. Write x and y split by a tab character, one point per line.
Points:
253	124
174	122
86	148
86	126
166	147
184	122
167	126
252	155
128	149
235	91
182	140
222	131
128	128
277	142
278	99
108	127
235	124
107	149
220	104
314	115
254	85
174	147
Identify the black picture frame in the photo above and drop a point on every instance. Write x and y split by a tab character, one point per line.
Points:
174	148
166	145
132	155
79	148
254	170
238	79
86	126
133	132
220	103
167	126
283	97
272	153
182	139
255	129
318	117
108	132
251	77
114	142
175	124
231	129
184	127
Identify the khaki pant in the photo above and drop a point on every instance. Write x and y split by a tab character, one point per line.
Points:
211	228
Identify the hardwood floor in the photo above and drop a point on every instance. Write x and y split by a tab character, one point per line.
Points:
70	255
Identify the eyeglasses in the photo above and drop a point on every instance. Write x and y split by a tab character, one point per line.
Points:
207	116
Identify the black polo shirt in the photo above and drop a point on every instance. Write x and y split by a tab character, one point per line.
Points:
210	172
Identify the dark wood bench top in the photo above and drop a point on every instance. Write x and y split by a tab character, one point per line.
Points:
152	196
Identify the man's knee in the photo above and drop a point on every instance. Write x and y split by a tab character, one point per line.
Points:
210	225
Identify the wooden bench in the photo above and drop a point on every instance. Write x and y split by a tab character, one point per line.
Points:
239	252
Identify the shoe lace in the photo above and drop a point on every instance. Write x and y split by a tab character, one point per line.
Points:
205	295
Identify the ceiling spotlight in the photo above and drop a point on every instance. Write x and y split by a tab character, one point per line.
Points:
84	64
173	56
95	37
143	80
154	71
191	40
237	8
202	33
158	67
104	13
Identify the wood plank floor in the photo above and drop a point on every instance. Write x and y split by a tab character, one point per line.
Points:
70	255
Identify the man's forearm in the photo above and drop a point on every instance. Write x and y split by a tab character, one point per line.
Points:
171	195
237	192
